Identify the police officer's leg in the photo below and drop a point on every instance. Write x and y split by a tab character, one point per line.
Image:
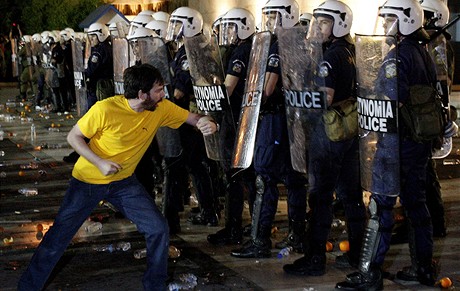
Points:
24	79
79	201
375	245
297	209
264	211
434	201
414	162
234	202
350	193
130	197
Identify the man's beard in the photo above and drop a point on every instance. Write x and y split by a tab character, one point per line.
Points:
149	105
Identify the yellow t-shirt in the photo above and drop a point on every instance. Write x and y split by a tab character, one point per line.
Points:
120	134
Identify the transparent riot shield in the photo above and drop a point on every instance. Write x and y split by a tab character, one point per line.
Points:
438	52
153	51
121	59
377	114
249	116
78	58
305	102
211	96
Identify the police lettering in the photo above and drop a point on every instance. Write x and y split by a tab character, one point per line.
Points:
377	115
305	99
251	99
208	98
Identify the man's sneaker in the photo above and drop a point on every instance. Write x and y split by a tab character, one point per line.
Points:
254	249
307	266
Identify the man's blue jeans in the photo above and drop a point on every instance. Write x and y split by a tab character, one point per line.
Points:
129	197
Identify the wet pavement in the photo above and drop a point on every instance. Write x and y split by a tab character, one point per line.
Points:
37	164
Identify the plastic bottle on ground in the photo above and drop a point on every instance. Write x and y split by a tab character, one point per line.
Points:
123	246
284	252
93	227
28	191
139	254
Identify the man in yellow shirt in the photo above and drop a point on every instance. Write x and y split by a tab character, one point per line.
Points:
120	130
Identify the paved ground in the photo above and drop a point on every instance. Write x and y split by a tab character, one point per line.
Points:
24	165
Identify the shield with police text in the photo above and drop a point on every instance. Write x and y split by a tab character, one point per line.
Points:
78	59
209	89
305	102
438	51
243	152
378	114
153	51
121	61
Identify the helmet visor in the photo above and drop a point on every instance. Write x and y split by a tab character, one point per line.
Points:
271	21
389	25
228	34
320	29
175	30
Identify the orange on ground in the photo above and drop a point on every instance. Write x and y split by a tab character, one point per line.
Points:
329	246
344	246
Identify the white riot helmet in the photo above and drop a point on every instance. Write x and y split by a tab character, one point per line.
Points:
26	38
141	32
140	20
287	14
340	13
70	30
409	14
100	30
36	37
184	22
436	13
162	16
305	19
237	23
65	35
159	27
216	24
45	36
146	12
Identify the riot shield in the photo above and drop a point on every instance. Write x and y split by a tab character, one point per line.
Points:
249	115
377	114
211	96
305	102
78	59
438	52
153	51
121	59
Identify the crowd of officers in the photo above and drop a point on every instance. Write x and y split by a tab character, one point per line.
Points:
333	167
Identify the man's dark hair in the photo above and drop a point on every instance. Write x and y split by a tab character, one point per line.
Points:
140	77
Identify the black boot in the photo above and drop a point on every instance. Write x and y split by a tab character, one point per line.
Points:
427	273
260	247
294	238
409	273
206	217
369	281
230	235
307	266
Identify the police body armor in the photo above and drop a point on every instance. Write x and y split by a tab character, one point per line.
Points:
210	93
78	59
305	103
437	49
250	107
377	115
153	51
122	58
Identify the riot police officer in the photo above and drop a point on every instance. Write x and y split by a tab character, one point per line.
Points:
99	72
272	158
236	28
187	22
403	67
333	165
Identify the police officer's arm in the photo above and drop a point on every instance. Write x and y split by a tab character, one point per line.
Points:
204	123
76	139
270	84
230	83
